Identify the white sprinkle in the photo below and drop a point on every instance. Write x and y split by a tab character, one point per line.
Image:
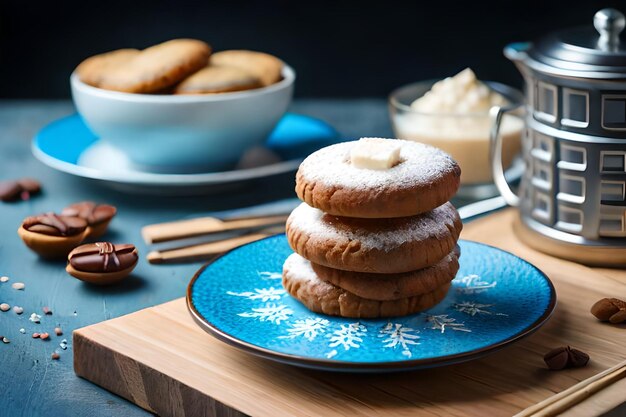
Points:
22	330
18	286
5	307
35	318
63	344
384	235
4	279
18	310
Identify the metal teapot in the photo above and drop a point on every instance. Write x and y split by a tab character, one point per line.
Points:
572	197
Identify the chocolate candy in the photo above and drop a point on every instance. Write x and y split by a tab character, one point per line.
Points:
97	215
12	190
90	211
29	185
54	225
9	190
51	235
103	257
102	262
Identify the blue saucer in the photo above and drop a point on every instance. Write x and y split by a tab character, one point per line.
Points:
496	299
69	146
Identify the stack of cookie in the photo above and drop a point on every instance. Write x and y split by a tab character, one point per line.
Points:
376	235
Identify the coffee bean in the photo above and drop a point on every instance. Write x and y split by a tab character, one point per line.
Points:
565	357
557	358
22	188
577	358
9	190
30	185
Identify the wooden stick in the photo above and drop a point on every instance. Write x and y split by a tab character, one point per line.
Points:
202	251
163	232
564	400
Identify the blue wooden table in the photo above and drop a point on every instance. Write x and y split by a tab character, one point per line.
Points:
32	383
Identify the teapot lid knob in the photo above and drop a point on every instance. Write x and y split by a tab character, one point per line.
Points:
609	23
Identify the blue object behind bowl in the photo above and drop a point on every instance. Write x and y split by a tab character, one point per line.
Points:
294	137
297	135
495	299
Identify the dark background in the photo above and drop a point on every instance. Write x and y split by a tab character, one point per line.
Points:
339	49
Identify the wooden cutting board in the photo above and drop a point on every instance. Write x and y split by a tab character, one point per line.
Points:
160	360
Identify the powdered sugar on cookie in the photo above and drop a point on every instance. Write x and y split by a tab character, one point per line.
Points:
417	163
380	234
305	271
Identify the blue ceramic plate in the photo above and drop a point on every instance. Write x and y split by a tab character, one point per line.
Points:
496	299
68	145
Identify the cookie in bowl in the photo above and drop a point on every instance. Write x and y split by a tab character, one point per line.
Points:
157	67
218	79
93	69
265	67
170	109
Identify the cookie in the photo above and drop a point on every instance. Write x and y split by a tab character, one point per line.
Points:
301	281
424	178
267	68
92	69
384	246
216	79
389	287
158	67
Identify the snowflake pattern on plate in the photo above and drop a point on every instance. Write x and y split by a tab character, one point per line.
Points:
473	284
240	295
347	336
274	313
399	335
263	294
350	336
442	322
473	308
265	275
308	328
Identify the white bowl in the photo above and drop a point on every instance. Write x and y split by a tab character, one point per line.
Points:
183	133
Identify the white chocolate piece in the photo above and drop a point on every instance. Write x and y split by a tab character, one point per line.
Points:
375	153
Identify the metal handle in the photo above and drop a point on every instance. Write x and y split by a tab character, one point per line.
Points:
609	23
497	169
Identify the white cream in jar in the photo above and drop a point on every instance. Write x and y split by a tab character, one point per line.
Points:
454	116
